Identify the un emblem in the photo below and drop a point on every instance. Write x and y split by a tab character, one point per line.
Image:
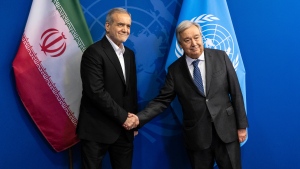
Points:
214	36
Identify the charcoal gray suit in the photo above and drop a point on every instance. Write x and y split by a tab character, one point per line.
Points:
222	108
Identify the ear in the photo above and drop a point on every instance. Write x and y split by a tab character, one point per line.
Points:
107	26
179	45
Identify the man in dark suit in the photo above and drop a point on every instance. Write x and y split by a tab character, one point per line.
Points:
108	73
206	84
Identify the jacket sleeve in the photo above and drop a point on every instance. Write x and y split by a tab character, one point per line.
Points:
160	103
236	95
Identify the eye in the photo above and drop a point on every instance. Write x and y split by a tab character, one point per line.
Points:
187	40
196	37
120	24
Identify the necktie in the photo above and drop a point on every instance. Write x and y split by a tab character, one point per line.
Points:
197	77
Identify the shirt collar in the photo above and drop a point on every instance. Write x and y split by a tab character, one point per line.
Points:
190	60
116	48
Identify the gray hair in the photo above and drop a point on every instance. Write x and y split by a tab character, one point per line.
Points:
109	18
185	25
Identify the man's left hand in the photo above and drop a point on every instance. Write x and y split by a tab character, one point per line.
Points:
242	134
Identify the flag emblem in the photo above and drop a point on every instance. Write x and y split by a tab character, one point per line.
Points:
53	42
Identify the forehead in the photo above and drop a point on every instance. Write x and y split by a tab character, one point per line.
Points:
190	32
121	17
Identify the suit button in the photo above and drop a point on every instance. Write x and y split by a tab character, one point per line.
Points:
207	100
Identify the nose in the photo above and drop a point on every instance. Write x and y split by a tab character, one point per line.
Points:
193	42
125	28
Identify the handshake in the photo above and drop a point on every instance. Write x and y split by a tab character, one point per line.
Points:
131	122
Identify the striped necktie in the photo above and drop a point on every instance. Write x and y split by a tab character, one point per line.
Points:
197	77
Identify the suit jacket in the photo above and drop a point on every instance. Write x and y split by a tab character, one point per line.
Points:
106	97
223	104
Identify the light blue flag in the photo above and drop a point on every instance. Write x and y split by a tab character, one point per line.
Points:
218	33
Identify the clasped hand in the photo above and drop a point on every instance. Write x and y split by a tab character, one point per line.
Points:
131	122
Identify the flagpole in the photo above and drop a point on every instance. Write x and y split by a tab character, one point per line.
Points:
70	158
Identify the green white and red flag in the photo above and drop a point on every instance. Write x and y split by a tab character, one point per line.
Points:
47	68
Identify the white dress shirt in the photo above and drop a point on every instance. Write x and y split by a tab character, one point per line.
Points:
119	52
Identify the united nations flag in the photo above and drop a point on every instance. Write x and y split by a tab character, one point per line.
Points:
217	33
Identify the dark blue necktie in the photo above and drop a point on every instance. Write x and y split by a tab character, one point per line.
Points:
197	77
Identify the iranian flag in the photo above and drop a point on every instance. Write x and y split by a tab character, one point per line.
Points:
47	68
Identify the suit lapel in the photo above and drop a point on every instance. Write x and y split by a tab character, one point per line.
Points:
208	67
127	66
112	56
